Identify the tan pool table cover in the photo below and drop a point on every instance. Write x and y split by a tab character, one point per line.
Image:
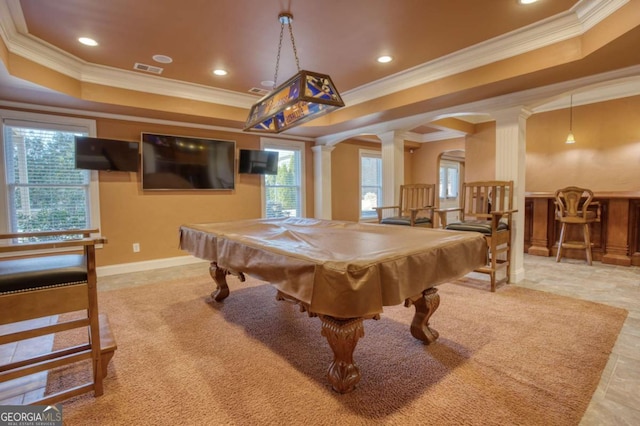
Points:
342	269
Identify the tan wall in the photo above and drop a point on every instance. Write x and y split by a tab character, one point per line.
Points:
480	153
606	156
419	167
408	166
425	159
152	218
345	179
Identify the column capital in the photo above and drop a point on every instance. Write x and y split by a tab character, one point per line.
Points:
322	148
511	115
391	136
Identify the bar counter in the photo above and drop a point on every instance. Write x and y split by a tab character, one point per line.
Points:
616	238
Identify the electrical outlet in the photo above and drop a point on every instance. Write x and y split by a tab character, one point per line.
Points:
136	247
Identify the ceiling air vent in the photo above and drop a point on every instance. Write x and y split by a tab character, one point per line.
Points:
147	68
258	91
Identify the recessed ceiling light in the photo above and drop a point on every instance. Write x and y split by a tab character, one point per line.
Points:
88	41
527	1
267	83
163	59
220	72
385	59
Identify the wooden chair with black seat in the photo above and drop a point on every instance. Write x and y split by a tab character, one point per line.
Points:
575	206
415	207
487	207
44	275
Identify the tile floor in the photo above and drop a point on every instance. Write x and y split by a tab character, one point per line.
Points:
617	399
26	389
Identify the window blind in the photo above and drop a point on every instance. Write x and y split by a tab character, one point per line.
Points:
45	190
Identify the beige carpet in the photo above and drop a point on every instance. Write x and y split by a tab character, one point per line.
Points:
513	357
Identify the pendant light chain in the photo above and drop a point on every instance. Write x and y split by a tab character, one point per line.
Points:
571	113
285	19
293	43
275	77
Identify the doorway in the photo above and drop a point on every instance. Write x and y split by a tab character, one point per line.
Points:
449	181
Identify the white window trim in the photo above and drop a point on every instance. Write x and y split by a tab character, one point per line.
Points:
366	153
449	164
46	121
271	143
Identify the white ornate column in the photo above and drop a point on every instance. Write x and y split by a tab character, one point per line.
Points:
392	166
510	165
322	181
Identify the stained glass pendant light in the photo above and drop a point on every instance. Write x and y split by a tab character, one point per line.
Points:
304	97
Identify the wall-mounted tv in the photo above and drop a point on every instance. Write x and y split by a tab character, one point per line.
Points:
187	163
106	154
258	162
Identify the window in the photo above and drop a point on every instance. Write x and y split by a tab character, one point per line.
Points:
43	191
449	172
370	182
283	193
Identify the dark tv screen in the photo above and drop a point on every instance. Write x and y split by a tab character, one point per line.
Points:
258	162
187	163
106	154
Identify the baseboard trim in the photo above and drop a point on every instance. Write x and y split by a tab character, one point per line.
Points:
517	275
147	265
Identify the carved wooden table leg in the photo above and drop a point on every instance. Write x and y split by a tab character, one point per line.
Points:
425	304
219	275
342	335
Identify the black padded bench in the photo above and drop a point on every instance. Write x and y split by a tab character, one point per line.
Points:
32	273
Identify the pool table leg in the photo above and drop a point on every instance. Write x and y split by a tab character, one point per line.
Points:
425	304
219	275
342	335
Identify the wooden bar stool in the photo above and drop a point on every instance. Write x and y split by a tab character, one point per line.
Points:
575	206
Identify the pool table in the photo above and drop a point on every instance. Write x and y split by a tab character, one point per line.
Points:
342	272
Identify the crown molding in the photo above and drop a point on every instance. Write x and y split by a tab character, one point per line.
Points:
575	22
7	20
440	135
508	45
591	12
622	87
132	80
583	16
592	89
14	33
93	114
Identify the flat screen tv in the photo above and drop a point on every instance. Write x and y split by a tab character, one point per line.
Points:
106	154
187	163
258	162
